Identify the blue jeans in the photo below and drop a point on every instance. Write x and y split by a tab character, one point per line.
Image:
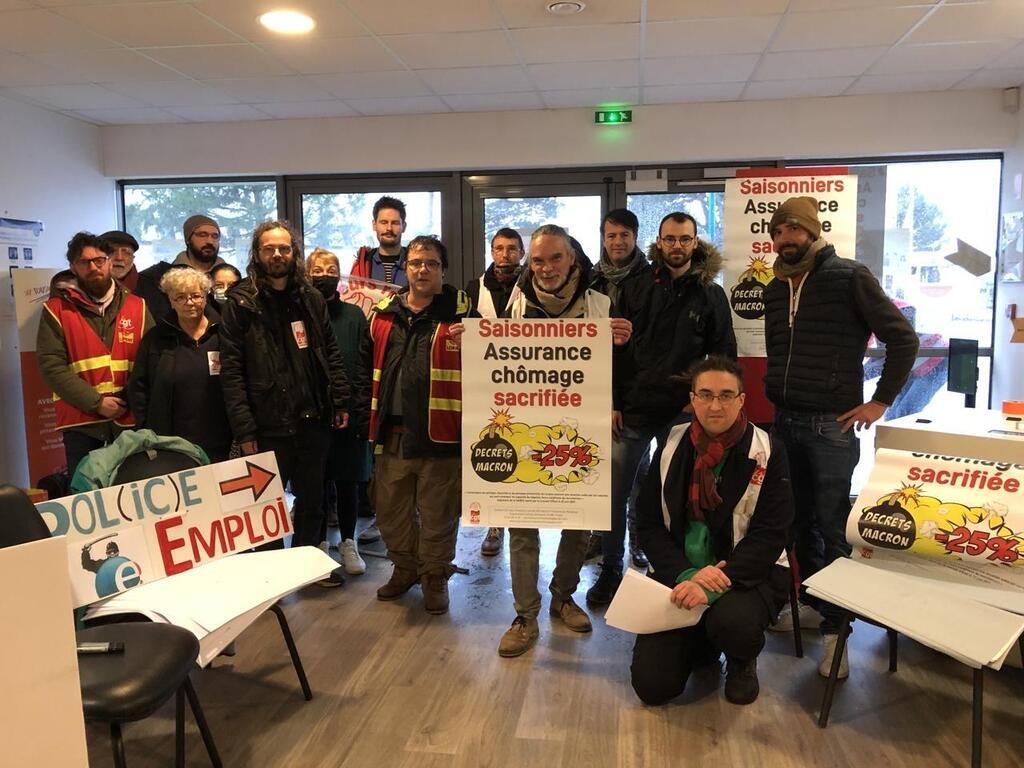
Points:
627	451
821	463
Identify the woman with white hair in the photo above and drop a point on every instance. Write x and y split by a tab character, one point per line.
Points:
175	387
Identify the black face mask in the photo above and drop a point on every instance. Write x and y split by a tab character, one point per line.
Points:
327	285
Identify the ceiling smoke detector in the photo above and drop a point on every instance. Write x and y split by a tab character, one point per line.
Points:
566	7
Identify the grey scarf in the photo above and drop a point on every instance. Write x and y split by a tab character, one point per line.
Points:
784	271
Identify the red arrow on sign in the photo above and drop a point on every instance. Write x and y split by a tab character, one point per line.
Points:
255	478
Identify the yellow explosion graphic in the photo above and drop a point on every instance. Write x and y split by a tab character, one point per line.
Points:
758	270
952	529
550	455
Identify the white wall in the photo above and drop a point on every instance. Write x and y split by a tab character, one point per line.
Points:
50	171
733	131
1008	369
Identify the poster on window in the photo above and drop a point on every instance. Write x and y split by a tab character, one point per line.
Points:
536	424
958	520
19	244
750	201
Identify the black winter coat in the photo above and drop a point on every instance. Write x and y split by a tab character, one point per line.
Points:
254	363
751	563
675	323
154	385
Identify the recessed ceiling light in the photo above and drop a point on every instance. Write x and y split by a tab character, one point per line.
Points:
287	22
566	7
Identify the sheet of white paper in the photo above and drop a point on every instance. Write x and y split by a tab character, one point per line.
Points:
642	606
219	600
973	633
41	720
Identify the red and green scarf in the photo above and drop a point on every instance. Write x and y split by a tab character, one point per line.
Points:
710	452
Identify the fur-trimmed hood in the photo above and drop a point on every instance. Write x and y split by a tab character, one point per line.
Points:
706	261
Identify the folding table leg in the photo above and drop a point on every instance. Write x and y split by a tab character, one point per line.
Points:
833	675
893	648
296	661
979	693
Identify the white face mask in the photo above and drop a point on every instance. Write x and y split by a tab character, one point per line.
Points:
220	294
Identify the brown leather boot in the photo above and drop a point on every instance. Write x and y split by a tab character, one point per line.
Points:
435	593
401	582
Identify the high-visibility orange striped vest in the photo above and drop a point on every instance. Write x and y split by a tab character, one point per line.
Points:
105	370
444	416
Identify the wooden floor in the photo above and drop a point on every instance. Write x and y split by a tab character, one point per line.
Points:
396	687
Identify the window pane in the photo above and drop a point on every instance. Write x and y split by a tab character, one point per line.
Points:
580	215
154	214
705	207
343	222
912	217
925	393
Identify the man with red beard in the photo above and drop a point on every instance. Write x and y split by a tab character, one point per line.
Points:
88	337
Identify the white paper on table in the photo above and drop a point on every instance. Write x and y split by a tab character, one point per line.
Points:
972	633
217	601
642	606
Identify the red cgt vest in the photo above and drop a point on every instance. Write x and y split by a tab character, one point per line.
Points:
444	417
105	370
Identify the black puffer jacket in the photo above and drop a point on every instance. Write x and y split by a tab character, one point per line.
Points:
675	323
817	365
408	351
254	363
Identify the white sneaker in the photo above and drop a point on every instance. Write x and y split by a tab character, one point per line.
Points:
354	564
809	619
825	668
370	534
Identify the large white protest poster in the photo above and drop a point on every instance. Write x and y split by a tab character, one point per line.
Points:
958	520
750	202
536	423
126	535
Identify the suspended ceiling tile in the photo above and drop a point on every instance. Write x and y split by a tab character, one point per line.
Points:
116	65
585	74
519	14
370	85
179	93
304	109
457	49
242	17
907	83
699	69
493	102
673	94
939	56
145	25
550	44
89	97
476	80
797	89
218	114
430	16
591	97
408	106
709	36
845	29
218	61
841	62
321	56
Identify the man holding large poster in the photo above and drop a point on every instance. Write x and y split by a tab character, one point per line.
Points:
555	287
820	311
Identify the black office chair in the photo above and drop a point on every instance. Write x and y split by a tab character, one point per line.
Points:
122	687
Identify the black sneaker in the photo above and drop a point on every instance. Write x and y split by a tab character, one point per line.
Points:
741	686
637	556
334	579
605	587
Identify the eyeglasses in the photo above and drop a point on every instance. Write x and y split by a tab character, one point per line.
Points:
430	266
186	298
270	250
671	240
725	398
96	261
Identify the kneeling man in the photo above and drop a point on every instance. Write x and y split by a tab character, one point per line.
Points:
714	522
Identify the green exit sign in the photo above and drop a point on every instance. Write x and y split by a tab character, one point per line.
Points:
613	116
